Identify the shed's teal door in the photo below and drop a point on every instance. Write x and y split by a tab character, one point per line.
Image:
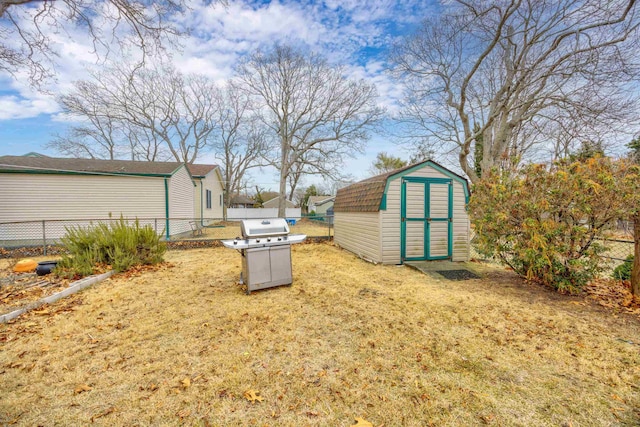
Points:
426	218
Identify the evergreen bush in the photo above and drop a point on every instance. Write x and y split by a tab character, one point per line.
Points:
623	271
117	244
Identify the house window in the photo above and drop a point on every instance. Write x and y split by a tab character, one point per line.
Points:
208	199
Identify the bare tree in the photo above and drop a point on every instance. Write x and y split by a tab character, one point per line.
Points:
26	27
240	141
326	163
500	71
308	106
150	114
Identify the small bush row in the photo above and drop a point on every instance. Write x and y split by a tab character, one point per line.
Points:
117	244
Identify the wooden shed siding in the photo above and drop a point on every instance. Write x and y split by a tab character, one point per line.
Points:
181	201
390	218
358	232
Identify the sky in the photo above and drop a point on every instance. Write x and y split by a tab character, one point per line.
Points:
355	33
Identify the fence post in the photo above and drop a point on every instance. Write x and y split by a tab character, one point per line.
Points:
44	237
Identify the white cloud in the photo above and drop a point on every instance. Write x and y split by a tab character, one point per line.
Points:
344	31
16	107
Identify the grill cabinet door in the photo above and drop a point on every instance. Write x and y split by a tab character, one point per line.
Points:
257	266
281	265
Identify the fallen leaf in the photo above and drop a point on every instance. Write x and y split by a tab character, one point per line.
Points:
186	383
184	414
252	396
361	422
103	413
82	388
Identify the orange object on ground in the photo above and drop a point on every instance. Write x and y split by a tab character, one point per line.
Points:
25	266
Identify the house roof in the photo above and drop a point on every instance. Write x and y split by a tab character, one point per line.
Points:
200	170
319	200
274	199
239	199
366	195
29	164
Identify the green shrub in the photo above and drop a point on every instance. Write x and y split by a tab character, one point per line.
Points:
544	221
623	271
117	244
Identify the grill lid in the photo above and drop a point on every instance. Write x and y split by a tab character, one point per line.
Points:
264	227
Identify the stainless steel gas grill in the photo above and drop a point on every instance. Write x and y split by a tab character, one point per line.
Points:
265	247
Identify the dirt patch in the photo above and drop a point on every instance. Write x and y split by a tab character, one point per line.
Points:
457	274
20	289
185	345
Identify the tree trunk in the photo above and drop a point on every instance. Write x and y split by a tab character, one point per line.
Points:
282	200
635	271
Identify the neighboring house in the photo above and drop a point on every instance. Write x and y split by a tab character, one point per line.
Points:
243	207
37	188
414	213
209	192
240	201
320	204
273	203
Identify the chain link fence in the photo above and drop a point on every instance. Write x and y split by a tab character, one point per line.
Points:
45	235
617	249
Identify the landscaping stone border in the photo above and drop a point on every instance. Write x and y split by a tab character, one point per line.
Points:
74	287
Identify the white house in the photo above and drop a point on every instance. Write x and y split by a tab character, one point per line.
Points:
61	192
273	203
320	204
209	192
410	214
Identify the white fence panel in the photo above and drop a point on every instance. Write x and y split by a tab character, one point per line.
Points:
253	213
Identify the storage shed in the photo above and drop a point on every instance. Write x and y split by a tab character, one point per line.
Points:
415	213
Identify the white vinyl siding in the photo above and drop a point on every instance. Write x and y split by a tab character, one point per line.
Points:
213	183
25	197
322	209
181	201
49	197
461	227
390	219
358	232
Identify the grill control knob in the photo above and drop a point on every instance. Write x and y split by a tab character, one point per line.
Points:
257	240
279	238
268	239
235	242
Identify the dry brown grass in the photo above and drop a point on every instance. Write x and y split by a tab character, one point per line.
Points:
230	230
349	339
